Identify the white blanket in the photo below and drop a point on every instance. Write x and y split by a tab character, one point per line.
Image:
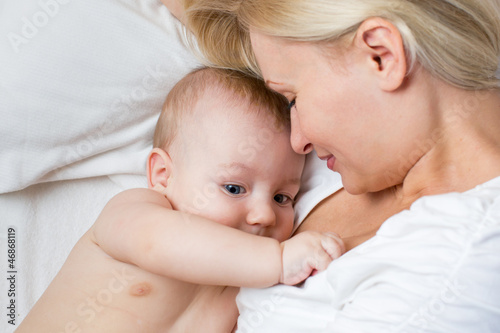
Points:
81	86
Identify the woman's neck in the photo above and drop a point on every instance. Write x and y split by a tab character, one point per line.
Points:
465	150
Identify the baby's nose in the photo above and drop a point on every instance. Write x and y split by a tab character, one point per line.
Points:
262	214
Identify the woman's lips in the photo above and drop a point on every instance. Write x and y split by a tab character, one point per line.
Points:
330	161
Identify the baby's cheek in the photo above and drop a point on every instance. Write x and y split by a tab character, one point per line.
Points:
223	213
284	226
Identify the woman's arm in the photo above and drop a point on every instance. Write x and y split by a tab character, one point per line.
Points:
138	226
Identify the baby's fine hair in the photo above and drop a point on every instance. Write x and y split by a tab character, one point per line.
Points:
221	83
457	41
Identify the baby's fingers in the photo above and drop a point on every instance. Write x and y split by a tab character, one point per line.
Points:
307	253
320	261
331	248
332	244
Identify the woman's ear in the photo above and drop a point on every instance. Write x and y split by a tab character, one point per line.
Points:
382	48
159	169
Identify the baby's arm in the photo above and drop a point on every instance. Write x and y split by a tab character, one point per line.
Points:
139	227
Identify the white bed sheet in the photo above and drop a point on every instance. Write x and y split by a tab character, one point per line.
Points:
81	86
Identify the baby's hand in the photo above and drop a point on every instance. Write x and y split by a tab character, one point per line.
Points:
307	252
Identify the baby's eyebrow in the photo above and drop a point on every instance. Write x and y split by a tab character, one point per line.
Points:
234	165
243	167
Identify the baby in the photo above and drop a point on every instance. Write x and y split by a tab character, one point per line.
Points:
170	258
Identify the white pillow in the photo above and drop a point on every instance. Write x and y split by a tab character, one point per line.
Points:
81	86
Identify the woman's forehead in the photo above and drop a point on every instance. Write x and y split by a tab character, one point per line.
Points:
271	57
282	61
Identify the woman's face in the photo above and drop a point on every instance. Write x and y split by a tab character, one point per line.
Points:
339	111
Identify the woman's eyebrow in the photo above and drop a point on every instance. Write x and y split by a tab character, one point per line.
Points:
268	82
276	86
294	181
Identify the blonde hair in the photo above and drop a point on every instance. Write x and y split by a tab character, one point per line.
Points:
218	82
217	33
455	40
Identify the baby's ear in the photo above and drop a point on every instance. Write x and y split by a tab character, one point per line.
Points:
159	169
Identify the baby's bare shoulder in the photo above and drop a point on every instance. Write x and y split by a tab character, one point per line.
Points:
138	196
125	208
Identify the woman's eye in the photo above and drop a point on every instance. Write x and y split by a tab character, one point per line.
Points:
291	105
234	189
282	199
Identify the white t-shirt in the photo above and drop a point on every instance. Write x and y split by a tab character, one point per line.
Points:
432	268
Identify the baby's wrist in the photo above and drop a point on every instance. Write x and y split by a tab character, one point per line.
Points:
282	270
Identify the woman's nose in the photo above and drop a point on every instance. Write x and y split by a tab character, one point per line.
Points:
299	142
261	214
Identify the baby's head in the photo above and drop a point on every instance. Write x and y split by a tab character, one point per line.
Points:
222	150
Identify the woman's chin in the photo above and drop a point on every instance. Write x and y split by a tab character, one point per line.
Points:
358	185
352	187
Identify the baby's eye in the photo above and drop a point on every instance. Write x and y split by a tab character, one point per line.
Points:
282	199
234	189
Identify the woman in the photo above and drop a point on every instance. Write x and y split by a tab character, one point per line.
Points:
399	97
